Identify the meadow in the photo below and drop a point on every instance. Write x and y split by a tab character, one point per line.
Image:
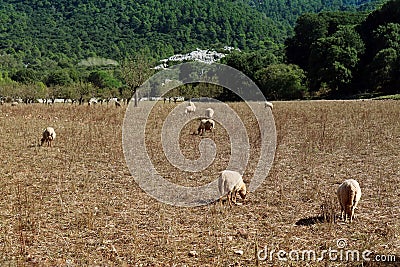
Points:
76	203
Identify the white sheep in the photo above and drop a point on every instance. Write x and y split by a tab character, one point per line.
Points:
209	113
48	136
349	193
268	105
206	125
15	103
230	183
190	108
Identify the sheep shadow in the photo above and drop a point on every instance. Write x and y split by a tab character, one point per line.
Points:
315	219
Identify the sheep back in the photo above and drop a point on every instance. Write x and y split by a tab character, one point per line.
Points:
349	194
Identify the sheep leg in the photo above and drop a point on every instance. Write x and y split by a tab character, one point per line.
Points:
352	216
234	197
341	211
230	199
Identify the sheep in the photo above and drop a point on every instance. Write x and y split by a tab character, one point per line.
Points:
14	104
190	108
268	105
231	183
349	194
48	136
209	113
206	125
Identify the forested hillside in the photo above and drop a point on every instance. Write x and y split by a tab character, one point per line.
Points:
115	28
291	49
288	11
73	30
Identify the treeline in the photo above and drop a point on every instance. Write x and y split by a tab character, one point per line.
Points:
329	55
100	85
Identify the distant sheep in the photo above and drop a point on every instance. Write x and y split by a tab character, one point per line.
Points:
230	183
14	104
191	108
209	113
268	105
349	194
48	136
206	125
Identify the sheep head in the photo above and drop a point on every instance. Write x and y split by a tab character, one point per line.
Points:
242	191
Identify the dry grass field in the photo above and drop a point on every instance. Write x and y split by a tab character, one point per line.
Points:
76	204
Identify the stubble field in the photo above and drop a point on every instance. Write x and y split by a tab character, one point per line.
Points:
76	203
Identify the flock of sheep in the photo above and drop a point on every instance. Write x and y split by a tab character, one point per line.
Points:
230	183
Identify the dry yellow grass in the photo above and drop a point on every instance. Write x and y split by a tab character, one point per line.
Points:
75	204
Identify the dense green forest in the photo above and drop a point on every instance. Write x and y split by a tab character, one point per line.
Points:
287	12
115	28
291	49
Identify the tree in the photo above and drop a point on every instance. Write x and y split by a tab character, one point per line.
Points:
308	29
334	60
281	81
58	77
25	76
250	63
384	71
135	71
103	79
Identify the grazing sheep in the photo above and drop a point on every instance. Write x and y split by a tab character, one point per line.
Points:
48	136
14	104
206	125
268	105
349	193
190	108
231	183
209	113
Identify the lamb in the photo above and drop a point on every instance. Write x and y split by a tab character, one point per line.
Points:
206	125
209	113
349	194
48	136
268	104
231	183
190	108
